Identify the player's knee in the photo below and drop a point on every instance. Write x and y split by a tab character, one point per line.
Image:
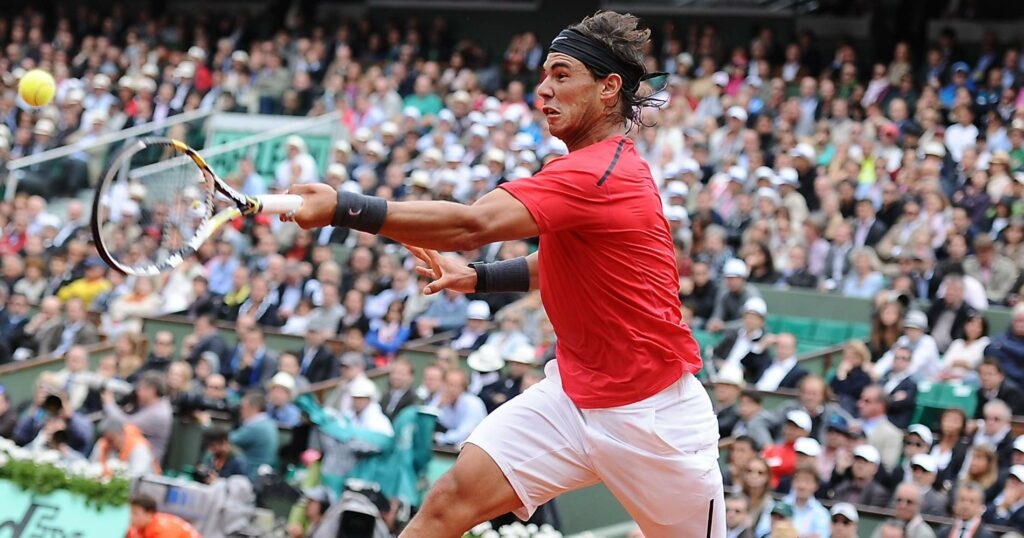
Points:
446	492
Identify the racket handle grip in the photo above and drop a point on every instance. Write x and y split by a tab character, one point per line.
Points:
279	204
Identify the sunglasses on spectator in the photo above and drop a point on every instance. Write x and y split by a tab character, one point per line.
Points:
915	444
840	520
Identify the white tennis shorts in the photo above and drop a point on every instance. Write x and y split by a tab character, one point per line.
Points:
659	456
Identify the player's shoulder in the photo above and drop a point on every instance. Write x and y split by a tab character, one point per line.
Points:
593	161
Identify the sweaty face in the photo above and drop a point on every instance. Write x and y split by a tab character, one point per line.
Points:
571	96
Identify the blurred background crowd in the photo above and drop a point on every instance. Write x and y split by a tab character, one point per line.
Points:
896	178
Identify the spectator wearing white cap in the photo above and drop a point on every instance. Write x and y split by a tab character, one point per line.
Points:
280	391
968	507
924	361
520	360
727	141
732	297
728	385
861	488
918	440
808	451
781	456
298	165
881	434
1008	507
924	473
805	163
474	334
746	347
366	412
732	201
844	520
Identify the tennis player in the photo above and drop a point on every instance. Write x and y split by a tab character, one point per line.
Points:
620	405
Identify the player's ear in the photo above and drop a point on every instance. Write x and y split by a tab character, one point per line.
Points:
610	86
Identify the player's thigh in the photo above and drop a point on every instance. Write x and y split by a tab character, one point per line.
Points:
536	439
475	487
659	457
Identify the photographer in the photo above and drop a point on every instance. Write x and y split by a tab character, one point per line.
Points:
153	414
50	413
221	460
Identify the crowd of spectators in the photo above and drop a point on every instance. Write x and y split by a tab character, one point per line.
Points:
898	180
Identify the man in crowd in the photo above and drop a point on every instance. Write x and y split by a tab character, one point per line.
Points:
146	522
968	507
153	414
461	411
401	393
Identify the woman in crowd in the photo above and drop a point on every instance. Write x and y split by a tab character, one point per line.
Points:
850	376
951	448
886	328
962	357
865	280
756	485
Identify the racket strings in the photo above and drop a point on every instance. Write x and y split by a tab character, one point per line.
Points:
155	203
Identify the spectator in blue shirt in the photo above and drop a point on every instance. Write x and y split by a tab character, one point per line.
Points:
809	517
446	313
460	410
1009	347
256	436
221	268
961	79
280	392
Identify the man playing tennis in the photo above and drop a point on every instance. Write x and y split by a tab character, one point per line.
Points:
620	405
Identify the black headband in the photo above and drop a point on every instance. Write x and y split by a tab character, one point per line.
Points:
599	58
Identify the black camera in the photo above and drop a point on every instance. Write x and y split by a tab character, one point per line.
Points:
190	402
53	405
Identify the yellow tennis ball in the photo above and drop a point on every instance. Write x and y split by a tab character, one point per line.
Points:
37	87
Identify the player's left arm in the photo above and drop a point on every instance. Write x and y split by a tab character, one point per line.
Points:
444	226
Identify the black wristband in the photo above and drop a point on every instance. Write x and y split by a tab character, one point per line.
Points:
360	212
504	276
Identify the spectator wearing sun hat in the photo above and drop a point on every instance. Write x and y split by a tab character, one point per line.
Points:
486	364
781	457
520	361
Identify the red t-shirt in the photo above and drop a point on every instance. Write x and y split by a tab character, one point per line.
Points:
165	526
608	278
781	461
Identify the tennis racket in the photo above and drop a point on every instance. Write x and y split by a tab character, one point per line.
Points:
158	202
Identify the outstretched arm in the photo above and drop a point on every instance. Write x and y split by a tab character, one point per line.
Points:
444	226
